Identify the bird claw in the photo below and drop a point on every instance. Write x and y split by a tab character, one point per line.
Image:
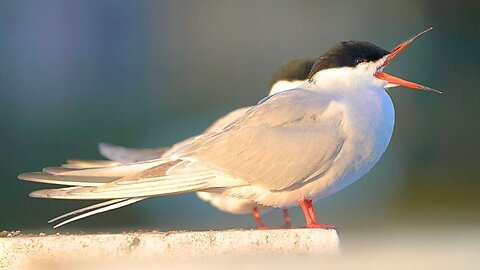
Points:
262	228
320	226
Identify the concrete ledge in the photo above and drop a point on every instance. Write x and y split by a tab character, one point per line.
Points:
18	250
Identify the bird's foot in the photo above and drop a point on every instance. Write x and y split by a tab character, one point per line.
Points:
314	225
286	217
262	228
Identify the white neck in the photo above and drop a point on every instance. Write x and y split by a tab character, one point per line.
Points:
281	86
345	79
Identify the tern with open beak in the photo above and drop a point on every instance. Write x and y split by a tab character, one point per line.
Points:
293	147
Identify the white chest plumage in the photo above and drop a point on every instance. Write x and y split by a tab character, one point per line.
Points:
368	123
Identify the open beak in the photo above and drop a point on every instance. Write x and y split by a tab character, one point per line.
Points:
395	80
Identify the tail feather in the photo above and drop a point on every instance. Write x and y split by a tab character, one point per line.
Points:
117	205
90	207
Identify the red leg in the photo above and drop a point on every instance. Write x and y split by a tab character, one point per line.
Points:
258	219
311	212
286	216
310	218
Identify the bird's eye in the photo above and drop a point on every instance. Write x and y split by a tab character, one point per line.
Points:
359	60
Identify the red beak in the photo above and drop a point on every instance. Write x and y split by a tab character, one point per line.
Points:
395	80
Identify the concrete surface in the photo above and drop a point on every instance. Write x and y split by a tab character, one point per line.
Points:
17	250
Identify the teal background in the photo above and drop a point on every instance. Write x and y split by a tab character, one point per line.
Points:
149	73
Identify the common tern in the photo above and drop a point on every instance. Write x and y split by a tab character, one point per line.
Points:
293	147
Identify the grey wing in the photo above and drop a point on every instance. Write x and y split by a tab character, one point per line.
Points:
285	141
226	120
153	178
216	126
130	155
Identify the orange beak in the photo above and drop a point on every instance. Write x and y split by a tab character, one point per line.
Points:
398	81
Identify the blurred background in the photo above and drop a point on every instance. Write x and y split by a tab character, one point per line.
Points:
150	73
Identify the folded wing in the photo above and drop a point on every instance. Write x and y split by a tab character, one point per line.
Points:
287	140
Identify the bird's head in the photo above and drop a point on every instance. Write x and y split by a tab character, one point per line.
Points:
354	62
291	75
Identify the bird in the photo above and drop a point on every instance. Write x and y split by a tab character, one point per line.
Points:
288	76
293	147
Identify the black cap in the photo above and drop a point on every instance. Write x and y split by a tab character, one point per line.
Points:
348	54
294	70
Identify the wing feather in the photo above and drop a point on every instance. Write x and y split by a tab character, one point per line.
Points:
95	176
129	155
152	182
47	178
275	145
283	142
84	164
